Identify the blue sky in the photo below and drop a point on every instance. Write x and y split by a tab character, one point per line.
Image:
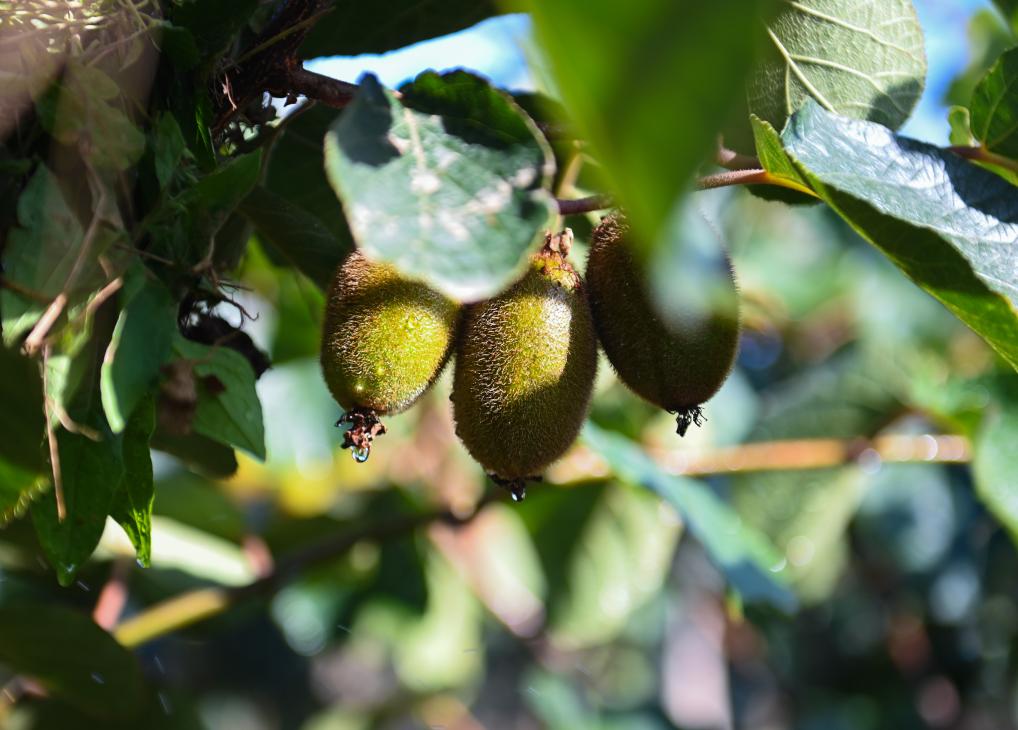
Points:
496	48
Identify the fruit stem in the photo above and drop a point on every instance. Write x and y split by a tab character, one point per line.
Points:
364	427
686	417
517	488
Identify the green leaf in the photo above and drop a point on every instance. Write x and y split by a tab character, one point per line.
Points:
960	120
994	107
297	234
772	153
132	503
746	557
212	24
650	85
22	423
617	561
168	147
141	344
85	111
72	658
955	234
39	254
355	28
453	194
995	462
295	170
855	57
199	453
208	205
90	472
228	407
18	488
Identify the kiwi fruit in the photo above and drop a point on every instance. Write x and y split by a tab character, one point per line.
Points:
385	339
676	366
525	367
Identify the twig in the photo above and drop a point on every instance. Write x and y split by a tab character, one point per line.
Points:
51	439
750	177
981	154
324	89
585	205
732	160
817	454
41	329
190	608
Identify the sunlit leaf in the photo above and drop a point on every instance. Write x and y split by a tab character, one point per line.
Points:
955	234
855	57
449	189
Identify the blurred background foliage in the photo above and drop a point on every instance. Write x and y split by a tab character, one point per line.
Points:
586	606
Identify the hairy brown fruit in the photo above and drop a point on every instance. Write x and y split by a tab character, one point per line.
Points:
385	340
675	366
525	366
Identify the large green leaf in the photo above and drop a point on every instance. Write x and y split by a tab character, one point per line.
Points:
650	84
295	169
295	233
228	407
141	344
994	107
90	473
22	424
450	189
748	560
948	224
858	58
132	502
72	658
357	27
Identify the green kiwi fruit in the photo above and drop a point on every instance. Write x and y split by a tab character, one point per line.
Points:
675	366
385	339
525	367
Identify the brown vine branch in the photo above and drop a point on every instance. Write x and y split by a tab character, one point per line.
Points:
189	608
590	204
195	606
750	177
805	454
981	154
272	65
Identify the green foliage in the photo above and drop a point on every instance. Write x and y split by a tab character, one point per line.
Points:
355	28
450	190
994	107
96	675
228	409
748	560
633	79
140	345
853	57
863	171
160	224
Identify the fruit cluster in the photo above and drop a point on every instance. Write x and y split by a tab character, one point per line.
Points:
526	359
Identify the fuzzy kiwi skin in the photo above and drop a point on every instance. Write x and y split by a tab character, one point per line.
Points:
525	367
385	339
676	368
